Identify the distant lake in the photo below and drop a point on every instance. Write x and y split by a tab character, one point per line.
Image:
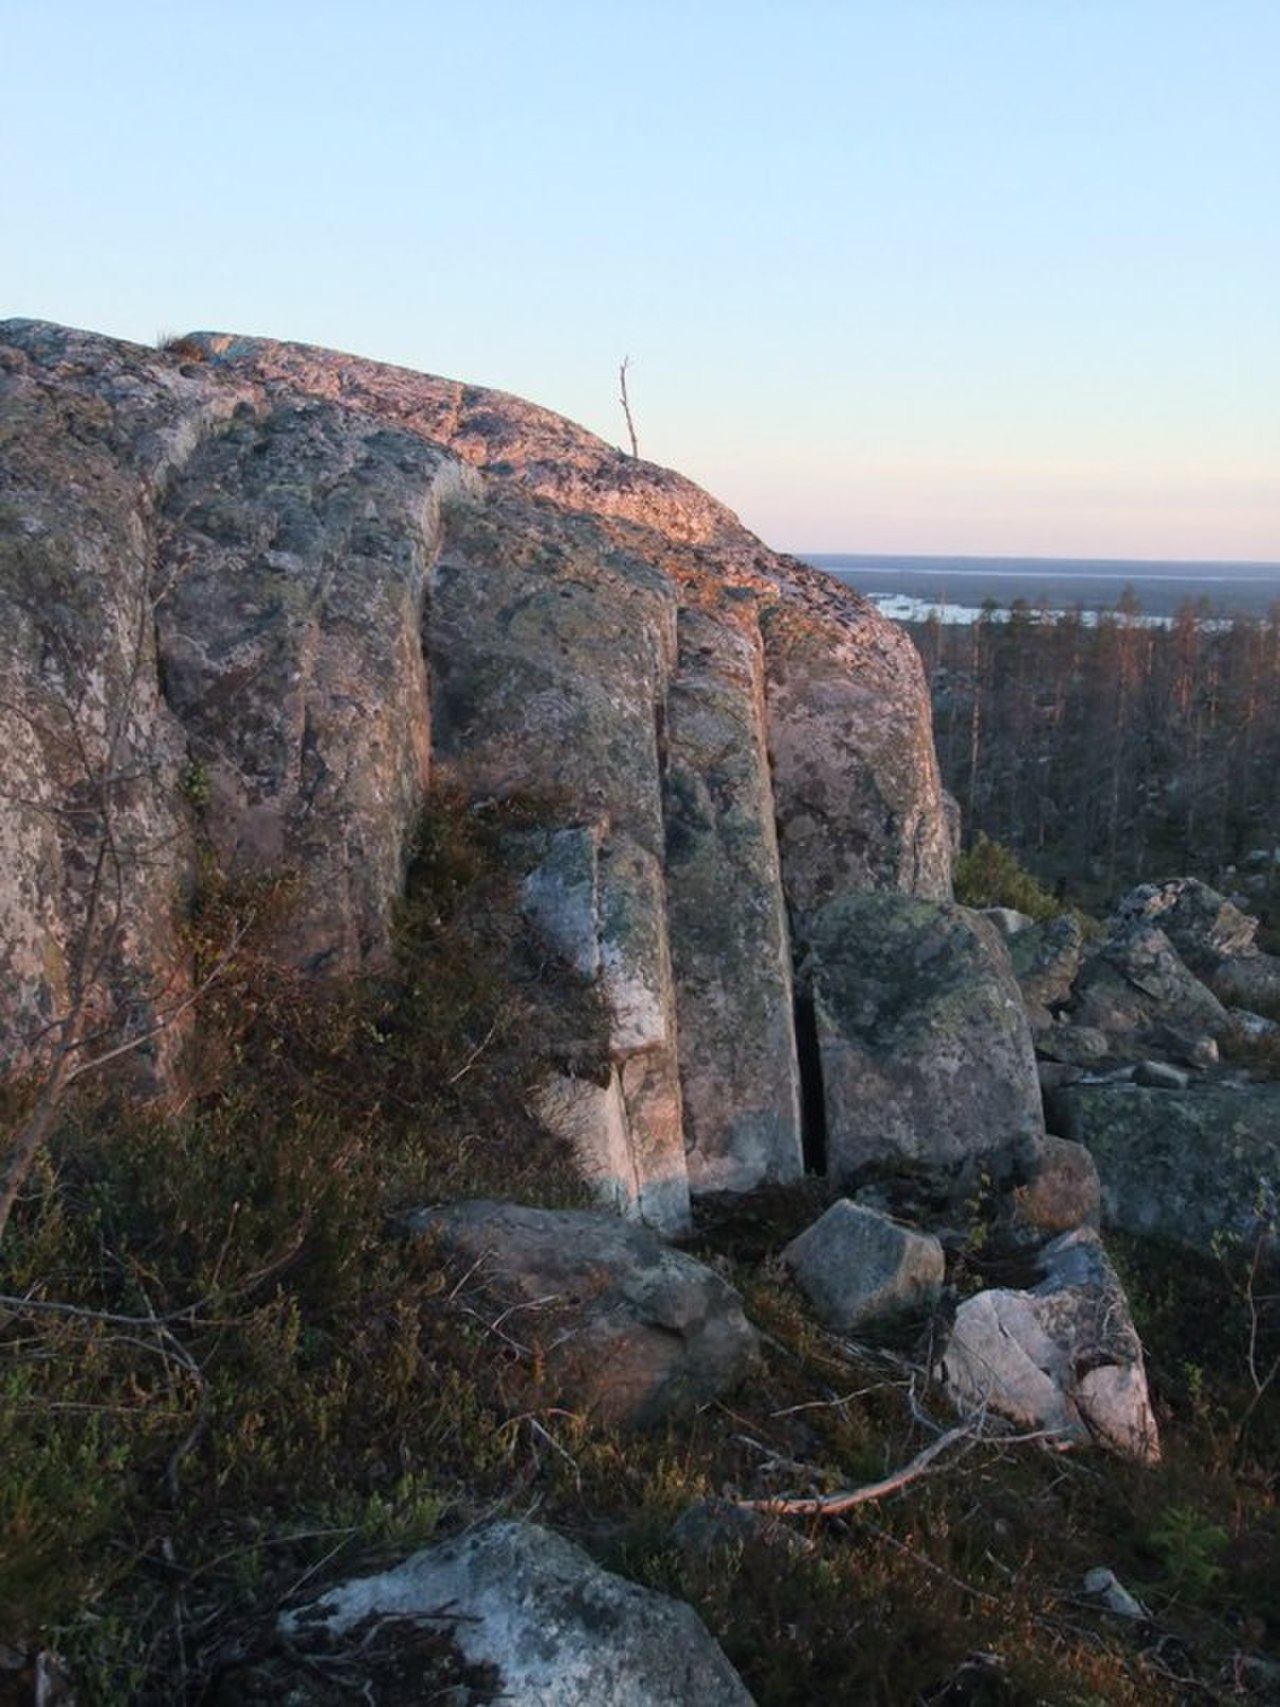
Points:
908	588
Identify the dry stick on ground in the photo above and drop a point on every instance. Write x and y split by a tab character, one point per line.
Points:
832	1505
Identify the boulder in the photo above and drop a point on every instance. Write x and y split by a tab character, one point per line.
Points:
1046	958
617	1323
1214	937
1056	1190
1136	990
531	1613
860	1269
1197	1167
926	1055
1063	1357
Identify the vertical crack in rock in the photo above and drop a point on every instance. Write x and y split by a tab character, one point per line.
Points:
813	1094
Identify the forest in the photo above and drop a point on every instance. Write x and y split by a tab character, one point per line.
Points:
1113	749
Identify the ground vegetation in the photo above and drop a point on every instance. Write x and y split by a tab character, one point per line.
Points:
228	1377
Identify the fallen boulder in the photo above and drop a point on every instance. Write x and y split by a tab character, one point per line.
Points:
858	1268
1063	1357
925	1050
619	1325
537	1614
1198	1167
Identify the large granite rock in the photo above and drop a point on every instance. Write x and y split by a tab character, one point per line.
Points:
926	1053
623	1327
1198	1167
269	592
1062	1356
534	1616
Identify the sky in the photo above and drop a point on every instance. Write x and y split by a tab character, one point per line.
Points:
893	276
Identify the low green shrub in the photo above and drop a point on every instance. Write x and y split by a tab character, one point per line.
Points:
990	875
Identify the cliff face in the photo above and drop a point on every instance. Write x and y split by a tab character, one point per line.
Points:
292	588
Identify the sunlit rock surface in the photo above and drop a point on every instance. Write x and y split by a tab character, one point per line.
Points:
273	592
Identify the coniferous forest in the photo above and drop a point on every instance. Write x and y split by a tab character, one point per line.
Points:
1112	749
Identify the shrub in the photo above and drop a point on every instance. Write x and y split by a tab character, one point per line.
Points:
990	875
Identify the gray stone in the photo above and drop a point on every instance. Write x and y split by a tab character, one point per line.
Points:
1046	958
858	1268
1007	920
561	896
730	946
629	1331
1063	1357
1137	991
1198	1168
1071	1045
1161	1076
925	1050
552	1624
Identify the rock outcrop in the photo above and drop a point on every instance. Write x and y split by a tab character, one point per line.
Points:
280	590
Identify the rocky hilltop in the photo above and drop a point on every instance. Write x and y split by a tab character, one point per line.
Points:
292	589
280	624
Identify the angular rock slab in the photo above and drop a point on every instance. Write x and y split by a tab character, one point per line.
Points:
925	1050
1192	1168
630	1330
1064	1357
1046	958
554	1627
1138	992
858	1268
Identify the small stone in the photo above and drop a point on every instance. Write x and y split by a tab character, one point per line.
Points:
858	1267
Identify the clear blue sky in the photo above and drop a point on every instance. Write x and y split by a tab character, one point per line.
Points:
991	276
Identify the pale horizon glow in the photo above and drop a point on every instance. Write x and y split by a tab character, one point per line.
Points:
939	277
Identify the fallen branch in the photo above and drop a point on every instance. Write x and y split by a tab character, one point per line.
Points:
831	1505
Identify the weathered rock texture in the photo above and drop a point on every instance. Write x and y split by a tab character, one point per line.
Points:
1197	1167
859	1268
1063	1356
287	588
539	1615
926	1053
621	1326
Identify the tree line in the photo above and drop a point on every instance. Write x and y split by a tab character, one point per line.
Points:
1112	749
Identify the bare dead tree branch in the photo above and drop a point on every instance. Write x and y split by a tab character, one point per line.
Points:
626	406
